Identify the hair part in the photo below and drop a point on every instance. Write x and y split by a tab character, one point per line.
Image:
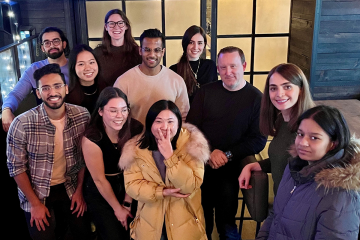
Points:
148	140
52	68
269	114
152	33
62	37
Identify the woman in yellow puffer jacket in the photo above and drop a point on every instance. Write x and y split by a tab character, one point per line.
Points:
163	171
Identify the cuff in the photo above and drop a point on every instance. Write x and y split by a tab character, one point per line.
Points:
172	161
159	192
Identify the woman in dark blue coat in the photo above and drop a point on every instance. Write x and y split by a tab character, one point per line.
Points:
318	197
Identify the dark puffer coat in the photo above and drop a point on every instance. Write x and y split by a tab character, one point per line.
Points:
318	201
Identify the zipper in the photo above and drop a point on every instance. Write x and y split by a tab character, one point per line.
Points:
291	192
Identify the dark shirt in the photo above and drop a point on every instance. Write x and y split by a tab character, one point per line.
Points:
85	96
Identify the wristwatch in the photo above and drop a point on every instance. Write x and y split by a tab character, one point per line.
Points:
229	155
126	204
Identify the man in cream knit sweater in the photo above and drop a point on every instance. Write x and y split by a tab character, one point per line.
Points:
149	82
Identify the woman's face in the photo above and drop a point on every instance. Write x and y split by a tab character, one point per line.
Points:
86	68
195	47
114	114
117	31
165	120
283	94
312	142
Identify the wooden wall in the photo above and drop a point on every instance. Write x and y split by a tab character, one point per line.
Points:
325	43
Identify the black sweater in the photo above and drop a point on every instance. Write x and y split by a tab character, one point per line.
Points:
229	120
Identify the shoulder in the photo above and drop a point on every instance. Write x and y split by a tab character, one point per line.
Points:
77	112
171	74
129	152
209	63
173	67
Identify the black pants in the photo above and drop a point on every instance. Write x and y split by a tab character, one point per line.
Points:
107	225
62	220
220	192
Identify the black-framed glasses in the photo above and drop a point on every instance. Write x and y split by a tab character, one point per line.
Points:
47	89
156	50
55	42
112	24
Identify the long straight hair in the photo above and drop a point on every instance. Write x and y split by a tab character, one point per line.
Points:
96	126
269	114
129	43
147	140
183	66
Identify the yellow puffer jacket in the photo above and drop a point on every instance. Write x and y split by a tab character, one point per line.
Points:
184	217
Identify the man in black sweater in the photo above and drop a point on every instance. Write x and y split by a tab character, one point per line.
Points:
227	112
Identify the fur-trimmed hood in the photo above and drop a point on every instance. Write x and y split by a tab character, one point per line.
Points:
345	172
190	140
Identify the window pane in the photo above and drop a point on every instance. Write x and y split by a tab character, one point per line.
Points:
234	17
181	14
272	16
270	51
143	15
95	13
242	43
259	81
93	44
173	52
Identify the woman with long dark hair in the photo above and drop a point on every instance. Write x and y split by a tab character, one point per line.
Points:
163	170
194	70
319	193
83	72
118	51
109	128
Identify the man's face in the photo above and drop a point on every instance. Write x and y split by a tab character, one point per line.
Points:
231	70
49	47
151	52
52	90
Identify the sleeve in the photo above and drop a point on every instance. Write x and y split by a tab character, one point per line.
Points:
185	172
213	72
182	100
120	84
265	165
139	188
16	149
265	228
253	141
340	219
20	91
195	115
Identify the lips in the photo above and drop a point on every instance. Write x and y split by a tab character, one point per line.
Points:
282	101
302	151
54	98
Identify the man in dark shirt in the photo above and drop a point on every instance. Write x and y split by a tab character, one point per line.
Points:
227	112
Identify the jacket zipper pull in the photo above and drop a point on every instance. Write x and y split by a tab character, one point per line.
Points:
293	189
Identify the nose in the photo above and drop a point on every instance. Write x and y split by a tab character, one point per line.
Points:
304	142
163	126
280	92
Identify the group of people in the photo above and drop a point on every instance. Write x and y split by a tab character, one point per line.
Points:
162	148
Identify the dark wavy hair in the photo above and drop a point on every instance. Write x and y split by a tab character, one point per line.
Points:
147	140
96	126
129	43
332	122
62	37
48	69
183	66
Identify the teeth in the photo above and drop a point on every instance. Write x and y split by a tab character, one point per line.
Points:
282	101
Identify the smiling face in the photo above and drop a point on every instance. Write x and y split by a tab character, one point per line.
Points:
116	33
86	68
54	98
151	53
52	51
312	142
283	94
164	120
114	114
231	70
195	47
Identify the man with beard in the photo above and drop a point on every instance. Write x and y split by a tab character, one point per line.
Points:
44	158
55	45
150	81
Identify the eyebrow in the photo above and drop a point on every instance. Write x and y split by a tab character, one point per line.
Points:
318	134
271	84
87	60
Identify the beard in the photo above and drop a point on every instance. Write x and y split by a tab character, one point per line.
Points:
55	55
56	106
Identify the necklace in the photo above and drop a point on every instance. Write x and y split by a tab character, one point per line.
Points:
89	94
195	74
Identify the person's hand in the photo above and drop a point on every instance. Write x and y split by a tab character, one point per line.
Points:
174	192
81	206
38	215
217	159
7	118
122	215
164	144
244	177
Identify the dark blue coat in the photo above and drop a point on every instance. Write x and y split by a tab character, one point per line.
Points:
317	201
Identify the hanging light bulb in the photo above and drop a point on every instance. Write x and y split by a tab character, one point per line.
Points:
11	14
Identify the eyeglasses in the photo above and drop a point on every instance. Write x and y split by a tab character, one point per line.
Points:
112	24
156	50
114	111
55	42
47	89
